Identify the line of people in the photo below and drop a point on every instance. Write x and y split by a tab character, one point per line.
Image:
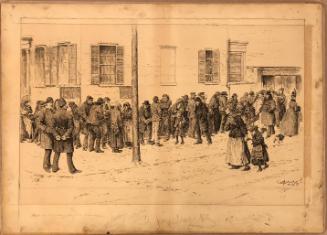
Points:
104	123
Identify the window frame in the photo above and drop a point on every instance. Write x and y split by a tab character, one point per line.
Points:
162	83
99	65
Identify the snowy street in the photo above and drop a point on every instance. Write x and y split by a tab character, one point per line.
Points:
171	174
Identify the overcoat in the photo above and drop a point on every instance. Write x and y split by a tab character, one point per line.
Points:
63	127
268	112
45	122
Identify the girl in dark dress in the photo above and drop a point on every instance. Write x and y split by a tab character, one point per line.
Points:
259	152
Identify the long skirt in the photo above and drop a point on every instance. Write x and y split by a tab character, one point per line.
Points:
237	152
127	131
290	124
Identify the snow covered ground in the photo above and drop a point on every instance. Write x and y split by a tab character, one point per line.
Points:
171	174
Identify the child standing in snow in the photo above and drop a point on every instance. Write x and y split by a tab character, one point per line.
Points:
259	151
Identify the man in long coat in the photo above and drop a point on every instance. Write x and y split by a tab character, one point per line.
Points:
145	122
94	121
222	109
116	126
268	113
214	115
280	110
84	111
202	124
191	115
165	122
63	127
45	124
156	118
77	124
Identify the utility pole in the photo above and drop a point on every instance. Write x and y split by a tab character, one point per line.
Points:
135	98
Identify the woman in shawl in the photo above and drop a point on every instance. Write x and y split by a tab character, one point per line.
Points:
290	121
127	114
238	153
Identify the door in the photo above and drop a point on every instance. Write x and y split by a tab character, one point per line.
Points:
268	82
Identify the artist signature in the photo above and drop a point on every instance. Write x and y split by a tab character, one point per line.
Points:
290	182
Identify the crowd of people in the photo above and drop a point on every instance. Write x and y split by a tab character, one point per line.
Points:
58	126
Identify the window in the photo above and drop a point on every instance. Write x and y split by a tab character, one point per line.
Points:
107	65
236	69
208	66
236	60
168	65
56	65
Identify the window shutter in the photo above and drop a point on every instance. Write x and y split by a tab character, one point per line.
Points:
39	66
72	63
120	65
47	78
215	71
95	65
53	56
201	65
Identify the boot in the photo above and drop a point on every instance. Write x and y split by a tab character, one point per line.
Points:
55	165
97	146
182	142
72	169
176	140
46	160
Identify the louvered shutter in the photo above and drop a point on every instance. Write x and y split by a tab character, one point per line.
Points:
39	66
120	65
95	65
215	71
72	63
201	65
47	59
53	52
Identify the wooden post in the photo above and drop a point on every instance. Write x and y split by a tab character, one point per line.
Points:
135	98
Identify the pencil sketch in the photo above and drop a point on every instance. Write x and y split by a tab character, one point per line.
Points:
201	111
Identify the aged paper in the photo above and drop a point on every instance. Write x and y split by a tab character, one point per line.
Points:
122	118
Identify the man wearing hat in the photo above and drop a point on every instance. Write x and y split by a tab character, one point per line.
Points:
145	122
63	139
105	127
165	122
268	113
202	124
191	115
232	103
84	111
214	115
45	124
280	110
222	100
94	121
77	124
156	117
